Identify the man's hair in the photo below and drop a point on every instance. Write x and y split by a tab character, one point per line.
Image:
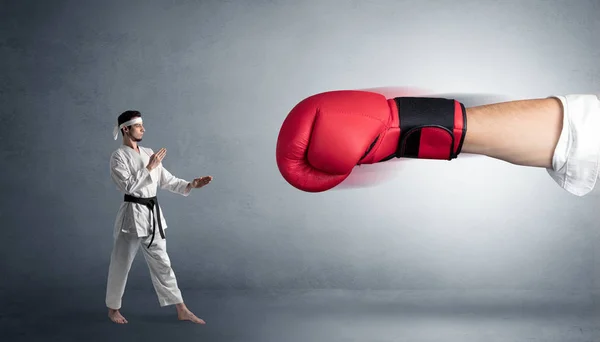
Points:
126	116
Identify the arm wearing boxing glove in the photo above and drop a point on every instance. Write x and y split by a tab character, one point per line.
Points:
559	133
521	132
327	134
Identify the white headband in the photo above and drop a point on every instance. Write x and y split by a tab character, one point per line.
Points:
125	124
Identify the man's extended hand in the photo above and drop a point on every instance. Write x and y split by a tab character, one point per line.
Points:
200	182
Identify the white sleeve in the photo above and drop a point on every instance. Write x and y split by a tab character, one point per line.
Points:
576	158
171	183
125	180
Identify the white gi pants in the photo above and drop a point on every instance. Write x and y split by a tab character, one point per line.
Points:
163	278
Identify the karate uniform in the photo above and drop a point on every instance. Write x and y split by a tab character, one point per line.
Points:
576	159
135	222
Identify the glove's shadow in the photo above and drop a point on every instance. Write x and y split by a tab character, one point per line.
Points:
372	175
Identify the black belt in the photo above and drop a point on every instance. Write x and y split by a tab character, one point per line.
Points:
149	202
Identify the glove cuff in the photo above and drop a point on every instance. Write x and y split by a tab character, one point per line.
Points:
430	128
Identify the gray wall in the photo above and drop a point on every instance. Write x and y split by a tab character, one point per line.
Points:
215	79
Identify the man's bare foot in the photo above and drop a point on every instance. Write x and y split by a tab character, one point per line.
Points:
116	316
184	314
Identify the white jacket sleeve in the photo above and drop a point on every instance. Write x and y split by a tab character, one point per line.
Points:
576	159
126	180
171	183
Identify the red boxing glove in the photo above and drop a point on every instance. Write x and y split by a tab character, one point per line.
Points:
326	135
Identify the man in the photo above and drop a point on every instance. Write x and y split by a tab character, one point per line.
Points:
326	135
138	172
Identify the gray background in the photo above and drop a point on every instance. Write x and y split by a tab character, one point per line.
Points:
215	79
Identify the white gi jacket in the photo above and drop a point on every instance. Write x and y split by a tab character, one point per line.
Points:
576	159
128	171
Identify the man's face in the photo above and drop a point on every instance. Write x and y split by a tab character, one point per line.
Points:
136	131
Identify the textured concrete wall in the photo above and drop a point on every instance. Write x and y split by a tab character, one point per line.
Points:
215	79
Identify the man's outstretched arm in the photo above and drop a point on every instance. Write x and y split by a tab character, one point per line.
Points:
561	134
523	132
326	135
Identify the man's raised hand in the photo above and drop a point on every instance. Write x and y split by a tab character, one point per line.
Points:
156	159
